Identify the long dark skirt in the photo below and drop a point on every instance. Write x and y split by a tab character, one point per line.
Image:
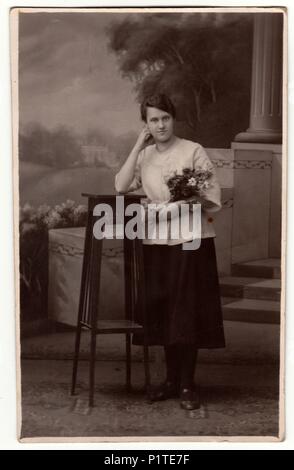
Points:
182	296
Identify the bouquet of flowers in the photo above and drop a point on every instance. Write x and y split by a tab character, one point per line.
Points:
191	183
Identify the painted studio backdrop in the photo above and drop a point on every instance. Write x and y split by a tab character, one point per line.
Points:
81	78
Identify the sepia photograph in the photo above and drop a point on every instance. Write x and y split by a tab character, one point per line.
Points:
149	212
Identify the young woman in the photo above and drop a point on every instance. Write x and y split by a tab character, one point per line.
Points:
182	289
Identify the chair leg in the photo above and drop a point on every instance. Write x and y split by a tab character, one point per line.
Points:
146	367
92	368
76	359
95	269
128	362
82	299
142	298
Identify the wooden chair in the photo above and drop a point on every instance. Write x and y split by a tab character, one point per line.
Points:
88	317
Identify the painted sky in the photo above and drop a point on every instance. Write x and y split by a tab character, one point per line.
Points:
67	75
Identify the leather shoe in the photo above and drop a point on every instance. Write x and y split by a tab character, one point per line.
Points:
164	392
190	399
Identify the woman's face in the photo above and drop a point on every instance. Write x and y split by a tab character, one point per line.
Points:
160	124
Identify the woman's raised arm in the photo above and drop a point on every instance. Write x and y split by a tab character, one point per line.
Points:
125	177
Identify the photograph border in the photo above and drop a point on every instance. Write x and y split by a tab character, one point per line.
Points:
14	15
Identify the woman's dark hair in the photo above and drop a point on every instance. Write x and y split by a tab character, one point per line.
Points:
159	101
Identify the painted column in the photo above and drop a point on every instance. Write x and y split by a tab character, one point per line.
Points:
266	87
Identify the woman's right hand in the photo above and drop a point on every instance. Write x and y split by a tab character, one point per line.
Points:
143	138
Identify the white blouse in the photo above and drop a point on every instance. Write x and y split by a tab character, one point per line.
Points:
154	168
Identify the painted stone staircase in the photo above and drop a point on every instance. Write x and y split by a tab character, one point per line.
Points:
252	293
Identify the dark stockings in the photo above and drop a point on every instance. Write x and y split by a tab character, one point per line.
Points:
173	364
180	364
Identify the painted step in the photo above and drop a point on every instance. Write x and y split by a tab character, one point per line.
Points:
250	288
252	311
269	268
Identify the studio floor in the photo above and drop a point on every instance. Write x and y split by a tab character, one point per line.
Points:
239	393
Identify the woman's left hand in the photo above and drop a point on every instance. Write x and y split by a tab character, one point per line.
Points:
172	209
169	210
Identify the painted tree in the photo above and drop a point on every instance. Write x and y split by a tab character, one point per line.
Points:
198	59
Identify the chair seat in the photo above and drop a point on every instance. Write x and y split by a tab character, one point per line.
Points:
117	326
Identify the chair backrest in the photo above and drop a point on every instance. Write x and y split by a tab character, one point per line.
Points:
133	252
113	201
